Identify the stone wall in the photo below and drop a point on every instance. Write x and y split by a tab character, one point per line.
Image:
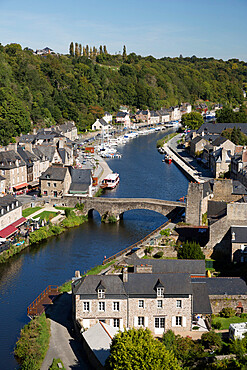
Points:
193	205
237	212
220	301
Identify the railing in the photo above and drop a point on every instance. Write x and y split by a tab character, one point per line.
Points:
136	244
32	309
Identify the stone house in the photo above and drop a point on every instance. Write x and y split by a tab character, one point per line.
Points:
197	145
68	130
155	301
164	116
239	243
2	186
10	215
107	117
101	124
154	117
175	113
81	181
239	167
14	169
123	118
55	181
143	116
33	166
185	108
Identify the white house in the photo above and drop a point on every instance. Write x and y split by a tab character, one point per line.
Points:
101	124
123	118
107	117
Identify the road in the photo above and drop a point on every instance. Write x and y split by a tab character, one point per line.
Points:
63	343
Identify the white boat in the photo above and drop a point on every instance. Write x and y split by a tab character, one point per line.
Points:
110	181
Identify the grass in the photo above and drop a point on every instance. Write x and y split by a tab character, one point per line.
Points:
63	208
46	215
28	211
54	365
99	193
225	322
33	344
165	139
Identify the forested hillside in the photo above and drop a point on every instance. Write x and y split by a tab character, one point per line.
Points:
43	90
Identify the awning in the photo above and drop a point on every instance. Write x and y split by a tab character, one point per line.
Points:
19	222
7	231
32	184
20	186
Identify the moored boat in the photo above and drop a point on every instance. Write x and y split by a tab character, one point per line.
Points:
110	181
168	159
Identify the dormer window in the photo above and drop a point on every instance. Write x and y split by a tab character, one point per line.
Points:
2	211
101	290
7	208
160	292
12	205
101	293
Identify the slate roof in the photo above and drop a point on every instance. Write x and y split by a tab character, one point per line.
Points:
27	139
48	151
27	156
39	153
144	284
238	188
193	267
217	128
8	160
207	188
54	173
224	285
153	113
240	234
87	286
197	139
201	302
219	141
80	179
122	114
8	200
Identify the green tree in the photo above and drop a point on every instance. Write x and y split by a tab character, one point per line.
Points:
211	340
190	250
137	349
80	49
105	50
193	120
71	49
76	49
124	52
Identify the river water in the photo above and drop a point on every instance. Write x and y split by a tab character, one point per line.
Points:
24	277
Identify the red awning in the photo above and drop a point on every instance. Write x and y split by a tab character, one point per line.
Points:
20	186
7	231
19	222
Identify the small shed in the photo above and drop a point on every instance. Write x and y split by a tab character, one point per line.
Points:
237	331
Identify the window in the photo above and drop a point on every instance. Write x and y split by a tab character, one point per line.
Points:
178	320
140	320
55	194
55	185
86	307
101	293
116	306
116	323
101	306
48	184
45	192
141	303
159	322
159	303
160	292
3	172
179	303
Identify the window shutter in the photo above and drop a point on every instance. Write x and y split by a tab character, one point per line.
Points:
135	321
173	320
146	322
121	323
184	321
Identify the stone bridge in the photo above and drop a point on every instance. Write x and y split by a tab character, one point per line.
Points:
108	207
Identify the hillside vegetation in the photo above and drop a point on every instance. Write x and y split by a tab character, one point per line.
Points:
43	90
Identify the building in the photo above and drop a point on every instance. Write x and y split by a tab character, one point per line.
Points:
164	116
239	243
68	130
33	166
81	182
10	216
143	116
218	128
154	117
101	124
55	182
156	301
197	145
123	118
14	170
107	117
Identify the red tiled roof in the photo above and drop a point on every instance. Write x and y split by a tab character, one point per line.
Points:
20	186
7	231
19	222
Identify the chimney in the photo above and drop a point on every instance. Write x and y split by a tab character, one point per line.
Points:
125	274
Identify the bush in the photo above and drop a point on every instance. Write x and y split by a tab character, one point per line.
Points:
33	343
216	325
227	312
69	212
190	250
79	206
165	232
148	250
211	340
158	254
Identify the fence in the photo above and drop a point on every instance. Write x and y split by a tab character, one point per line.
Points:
136	244
32	309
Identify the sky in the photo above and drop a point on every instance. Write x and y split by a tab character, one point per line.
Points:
209	28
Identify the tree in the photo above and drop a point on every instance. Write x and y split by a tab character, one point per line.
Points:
136	349
80	49
100	50
124	52
192	120
104	50
211	340
76	49
71	49
190	250
87	50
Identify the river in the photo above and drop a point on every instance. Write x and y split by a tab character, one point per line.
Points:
24	277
